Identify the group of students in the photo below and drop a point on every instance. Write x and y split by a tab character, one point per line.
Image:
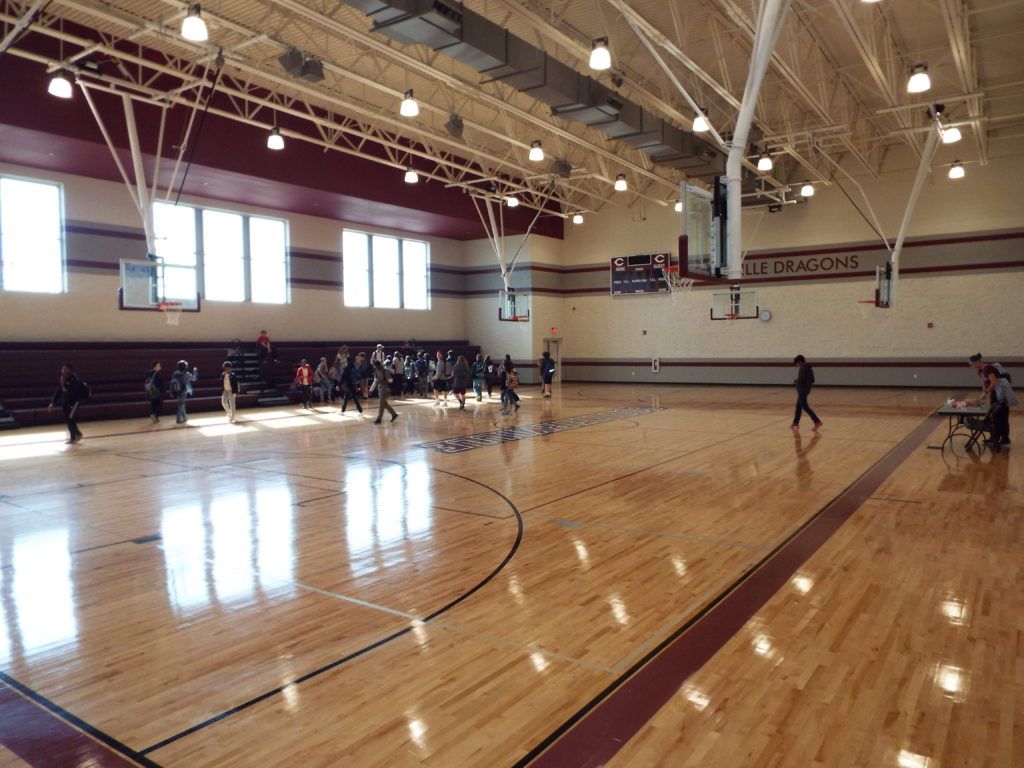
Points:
354	377
350	378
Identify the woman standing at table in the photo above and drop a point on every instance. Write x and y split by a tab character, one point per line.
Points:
1001	397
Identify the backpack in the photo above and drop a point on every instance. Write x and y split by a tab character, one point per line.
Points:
152	391
549	365
176	387
84	390
810	373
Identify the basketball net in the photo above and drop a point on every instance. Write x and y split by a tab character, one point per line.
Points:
678	284
172	311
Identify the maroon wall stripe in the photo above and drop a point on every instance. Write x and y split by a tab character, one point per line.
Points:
44	740
879	247
778	364
85	229
89	264
311	281
315	256
595	734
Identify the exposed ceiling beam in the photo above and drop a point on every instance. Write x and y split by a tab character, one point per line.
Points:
955	16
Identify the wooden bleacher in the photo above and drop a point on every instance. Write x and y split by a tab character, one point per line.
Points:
116	372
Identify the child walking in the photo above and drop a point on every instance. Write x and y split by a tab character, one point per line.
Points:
803	383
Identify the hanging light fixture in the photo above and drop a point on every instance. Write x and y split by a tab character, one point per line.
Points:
600	57
807	190
60	85
764	162
956	171
512	201
951	135
679	206
274	139
536	152
411	177
919	81
193	27
700	122
577	218
409	106
620	183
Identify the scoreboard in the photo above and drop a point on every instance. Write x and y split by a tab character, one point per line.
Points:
634	275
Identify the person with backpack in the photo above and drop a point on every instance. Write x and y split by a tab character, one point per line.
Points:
803	383
155	391
181	388
229	388
479	372
350	382
70	393
304	381
509	398
383	380
547	373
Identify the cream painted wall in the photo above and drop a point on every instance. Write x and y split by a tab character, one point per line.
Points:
88	310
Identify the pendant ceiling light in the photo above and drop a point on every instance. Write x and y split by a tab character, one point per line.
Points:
956	171
411	177
60	85
193	28
600	57
536	152
919	81
275	140
409	106
620	183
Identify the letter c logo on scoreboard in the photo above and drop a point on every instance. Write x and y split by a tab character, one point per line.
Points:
659	259
620	262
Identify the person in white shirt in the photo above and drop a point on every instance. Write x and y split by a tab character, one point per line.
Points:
229	388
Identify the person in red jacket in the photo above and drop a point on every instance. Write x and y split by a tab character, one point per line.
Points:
264	348
304	378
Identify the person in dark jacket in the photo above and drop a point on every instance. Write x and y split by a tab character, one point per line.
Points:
181	388
351	382
803	383
383	380
479	370
546	366
462	375
229	388
68	395
155	391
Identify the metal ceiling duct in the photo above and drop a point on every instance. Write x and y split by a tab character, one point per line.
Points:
468	37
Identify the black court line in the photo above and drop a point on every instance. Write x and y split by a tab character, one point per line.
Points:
77	722
580	742
362	651
140	540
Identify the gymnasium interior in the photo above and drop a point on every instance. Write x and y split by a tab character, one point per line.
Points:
701	212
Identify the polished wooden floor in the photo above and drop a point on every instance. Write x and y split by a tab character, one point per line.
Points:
313	590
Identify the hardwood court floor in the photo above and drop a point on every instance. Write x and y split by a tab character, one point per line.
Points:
313	590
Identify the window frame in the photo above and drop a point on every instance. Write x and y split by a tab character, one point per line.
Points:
62	237
369	236
200	241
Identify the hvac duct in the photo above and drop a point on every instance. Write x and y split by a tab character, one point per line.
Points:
482	45
599	105
377	10
424	22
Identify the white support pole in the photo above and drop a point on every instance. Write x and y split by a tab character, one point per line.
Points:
110	144
145	208
923	169
769	24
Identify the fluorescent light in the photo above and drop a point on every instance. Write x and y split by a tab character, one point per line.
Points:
807	190
764	163
511	201
620	183
275	140
951	135
679	206
956	171
577	218
193	27
600	57
411	177
409	106
700	122
60	85
536	152
919	81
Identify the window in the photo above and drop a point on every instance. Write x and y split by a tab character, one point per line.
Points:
355	262
386	272
31	236
223	256
240	258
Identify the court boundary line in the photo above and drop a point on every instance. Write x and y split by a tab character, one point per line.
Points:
373	646
593	736
75	722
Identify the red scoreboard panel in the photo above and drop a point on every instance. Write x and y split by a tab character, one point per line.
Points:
633	275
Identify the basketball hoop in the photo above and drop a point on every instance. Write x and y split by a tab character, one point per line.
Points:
172	311
677	283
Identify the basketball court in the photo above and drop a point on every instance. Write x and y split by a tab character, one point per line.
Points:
690	215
